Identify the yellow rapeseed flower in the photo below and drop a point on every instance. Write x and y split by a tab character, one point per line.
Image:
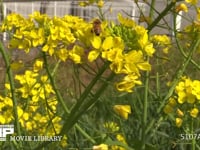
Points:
172	102
126	21
193	2
38	65
122	110
168	109
194	112
62	54
181	7
128	83
179	122
100	147
179	113
64	141
100	3
76	53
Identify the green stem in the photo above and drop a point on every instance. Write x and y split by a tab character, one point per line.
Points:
88	104
161	15
87	91
85	134
152	7
56	67
67	125
145	109
101	15
12	89
58	95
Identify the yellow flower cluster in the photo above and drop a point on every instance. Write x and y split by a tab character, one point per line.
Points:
161	41
119	138
112	128
193	2
37	104
191	32
53	36
186	101
6	109
72	38
184	7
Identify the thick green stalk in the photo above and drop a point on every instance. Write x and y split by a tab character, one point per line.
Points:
87	105
146	89
58	95
68	125
87	92
152	7
12	89
161	15
145	110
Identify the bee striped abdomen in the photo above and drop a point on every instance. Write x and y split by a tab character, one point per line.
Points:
96	27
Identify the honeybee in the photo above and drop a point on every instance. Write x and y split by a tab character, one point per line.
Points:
96	27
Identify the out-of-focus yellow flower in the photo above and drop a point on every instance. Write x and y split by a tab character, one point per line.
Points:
198	15
76	53
193	2
17	65
96	42
25	116
2	119
38	65
194	112
120	138
196	89
126	21
19	111
100	147
162	41
83	4
179	122
100	3
128	83
38	37
168	109
179	113
62	54
122	110
181	7
172	102
64	141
